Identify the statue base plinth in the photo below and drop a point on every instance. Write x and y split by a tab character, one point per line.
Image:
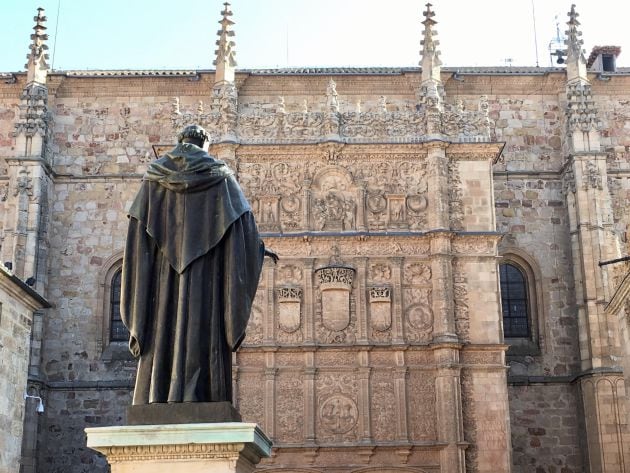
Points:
230	447
182	413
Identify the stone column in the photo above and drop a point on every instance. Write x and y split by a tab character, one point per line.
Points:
592	241
309	397
437	167
269	317
397	303
309	316
449	409
363	375
400	394
443	292
270	393
361	301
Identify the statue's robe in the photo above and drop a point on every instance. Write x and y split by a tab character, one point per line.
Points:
191	267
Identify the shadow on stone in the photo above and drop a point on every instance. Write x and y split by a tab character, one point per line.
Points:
182	413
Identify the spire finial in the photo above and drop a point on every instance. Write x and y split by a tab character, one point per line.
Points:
36	66
430	61
431	91
225	60
576	61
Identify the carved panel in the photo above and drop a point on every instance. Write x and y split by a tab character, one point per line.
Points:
337	411
396	194
418	312
251	402
421	392
380	308
289	407
462	320
383	406
334	198
455	196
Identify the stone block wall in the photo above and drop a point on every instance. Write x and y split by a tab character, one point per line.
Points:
102	132
17	304
546	430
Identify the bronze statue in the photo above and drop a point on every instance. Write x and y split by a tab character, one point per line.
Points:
191	267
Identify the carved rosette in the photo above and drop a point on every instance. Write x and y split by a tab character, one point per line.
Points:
335	284
289	308
380	308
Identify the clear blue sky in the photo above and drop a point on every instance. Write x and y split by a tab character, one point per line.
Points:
167	34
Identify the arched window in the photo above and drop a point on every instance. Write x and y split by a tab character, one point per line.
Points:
117	331
113	338
515	301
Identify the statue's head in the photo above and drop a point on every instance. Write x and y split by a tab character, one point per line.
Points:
193	134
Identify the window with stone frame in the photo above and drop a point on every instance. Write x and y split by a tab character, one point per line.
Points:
515	301
523	303
117	330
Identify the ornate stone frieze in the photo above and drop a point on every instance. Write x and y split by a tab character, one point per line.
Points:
251	124
143	453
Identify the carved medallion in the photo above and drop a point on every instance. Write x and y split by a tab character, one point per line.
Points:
417	203
420	317
338	414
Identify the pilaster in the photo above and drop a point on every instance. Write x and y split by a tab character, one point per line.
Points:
593	240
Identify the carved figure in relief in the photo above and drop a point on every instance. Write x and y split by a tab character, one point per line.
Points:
331	96
338	414
380	272
270	214
417	273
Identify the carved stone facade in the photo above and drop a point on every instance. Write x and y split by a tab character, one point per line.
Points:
376	342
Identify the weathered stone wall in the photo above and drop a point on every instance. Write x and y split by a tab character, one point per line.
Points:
546	428
16	318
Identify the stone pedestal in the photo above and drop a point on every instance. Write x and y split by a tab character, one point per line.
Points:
181	448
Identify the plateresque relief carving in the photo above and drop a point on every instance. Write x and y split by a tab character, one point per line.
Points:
418	310
289	308
335	287
337	411
334	198
380	308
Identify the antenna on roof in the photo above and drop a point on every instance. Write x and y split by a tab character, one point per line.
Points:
52	63
535	34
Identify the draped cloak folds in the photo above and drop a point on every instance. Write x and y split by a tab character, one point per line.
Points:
192	262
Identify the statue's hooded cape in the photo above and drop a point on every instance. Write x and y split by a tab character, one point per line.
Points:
192	262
